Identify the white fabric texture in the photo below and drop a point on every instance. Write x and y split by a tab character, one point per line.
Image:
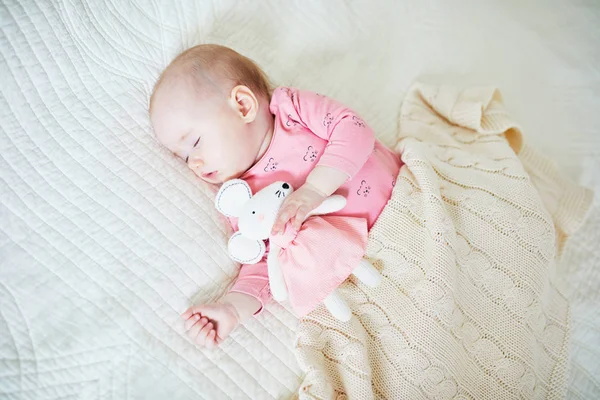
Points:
105	237
469	307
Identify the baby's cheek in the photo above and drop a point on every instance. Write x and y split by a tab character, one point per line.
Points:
236	155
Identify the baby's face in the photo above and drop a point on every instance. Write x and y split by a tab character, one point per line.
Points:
206	133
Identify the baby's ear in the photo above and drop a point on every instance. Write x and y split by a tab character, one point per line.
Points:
245	250
232	196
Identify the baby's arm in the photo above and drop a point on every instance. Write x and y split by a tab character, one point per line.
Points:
209	324
350	140
245	305
350	144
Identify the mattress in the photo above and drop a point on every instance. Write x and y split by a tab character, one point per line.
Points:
105	238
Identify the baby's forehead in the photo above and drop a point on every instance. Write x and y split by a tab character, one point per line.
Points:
177	108
179	91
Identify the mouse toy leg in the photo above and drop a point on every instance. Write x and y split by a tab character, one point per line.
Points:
338	307
367	274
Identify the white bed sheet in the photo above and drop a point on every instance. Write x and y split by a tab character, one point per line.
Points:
105	238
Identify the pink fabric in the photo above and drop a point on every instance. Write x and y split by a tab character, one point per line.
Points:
312	267
310	130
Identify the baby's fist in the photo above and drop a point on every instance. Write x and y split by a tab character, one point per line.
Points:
209	325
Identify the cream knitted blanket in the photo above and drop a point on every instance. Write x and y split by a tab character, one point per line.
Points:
468	308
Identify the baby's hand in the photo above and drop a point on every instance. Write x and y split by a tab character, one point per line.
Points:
209	325
296	206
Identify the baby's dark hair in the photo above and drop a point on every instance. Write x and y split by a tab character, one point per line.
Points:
213	65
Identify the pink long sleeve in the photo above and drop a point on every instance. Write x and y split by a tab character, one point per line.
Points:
350	139
253	280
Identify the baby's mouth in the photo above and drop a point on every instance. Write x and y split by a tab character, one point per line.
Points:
209	175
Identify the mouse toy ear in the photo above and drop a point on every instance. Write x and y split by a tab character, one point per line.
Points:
232	196
245	250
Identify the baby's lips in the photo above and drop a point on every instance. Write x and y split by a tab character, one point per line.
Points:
209	174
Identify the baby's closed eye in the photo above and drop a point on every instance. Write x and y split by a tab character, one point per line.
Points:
195	144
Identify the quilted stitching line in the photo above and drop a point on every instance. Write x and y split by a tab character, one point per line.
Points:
159	22
16	347
113	298
171	327
83	212
133	208
167	303
202	204
247	368
137	295
268	311
83	252
115	45
269	349
123	19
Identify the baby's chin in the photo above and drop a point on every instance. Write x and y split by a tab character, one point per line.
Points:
217	177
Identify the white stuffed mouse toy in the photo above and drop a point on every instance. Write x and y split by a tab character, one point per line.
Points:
306	265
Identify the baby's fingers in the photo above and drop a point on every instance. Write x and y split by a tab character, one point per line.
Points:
211	339
191	311
197	327
191	321
300	216
202	336
284	216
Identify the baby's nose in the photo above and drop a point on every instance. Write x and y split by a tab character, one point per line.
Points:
195	162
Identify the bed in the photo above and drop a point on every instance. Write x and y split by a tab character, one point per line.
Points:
105	237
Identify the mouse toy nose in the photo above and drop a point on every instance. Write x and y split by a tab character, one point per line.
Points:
285	186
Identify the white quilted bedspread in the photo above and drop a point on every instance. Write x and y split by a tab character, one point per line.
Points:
105	238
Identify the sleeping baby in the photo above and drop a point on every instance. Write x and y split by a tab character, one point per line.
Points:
215	110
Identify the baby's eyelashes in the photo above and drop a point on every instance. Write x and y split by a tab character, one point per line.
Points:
195	144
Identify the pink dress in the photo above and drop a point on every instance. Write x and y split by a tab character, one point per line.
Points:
318	257
310	130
